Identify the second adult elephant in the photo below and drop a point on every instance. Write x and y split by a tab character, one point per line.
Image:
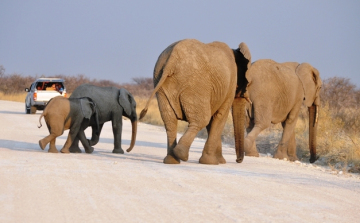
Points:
277	91
196	82
112	104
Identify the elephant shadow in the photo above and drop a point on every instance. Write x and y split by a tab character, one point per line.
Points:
133	155
143	157
126	142
34	147
20	146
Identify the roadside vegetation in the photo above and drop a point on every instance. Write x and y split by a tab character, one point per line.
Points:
338	138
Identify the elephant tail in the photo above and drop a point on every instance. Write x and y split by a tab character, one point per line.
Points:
161	82
39	126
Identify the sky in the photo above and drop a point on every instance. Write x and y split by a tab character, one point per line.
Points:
121	40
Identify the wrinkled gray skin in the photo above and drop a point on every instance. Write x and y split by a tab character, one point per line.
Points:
196	82
277	91
112	104
68	113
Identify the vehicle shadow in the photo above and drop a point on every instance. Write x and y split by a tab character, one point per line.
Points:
12	112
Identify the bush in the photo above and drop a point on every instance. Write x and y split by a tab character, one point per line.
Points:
15	83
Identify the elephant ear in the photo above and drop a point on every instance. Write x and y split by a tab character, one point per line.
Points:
318	84
87	107
125	100
311	81
244	49
243	63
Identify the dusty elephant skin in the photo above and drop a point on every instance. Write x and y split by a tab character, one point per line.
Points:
277	91
62	114
196	82
112	103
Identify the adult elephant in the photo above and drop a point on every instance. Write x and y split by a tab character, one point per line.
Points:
112	104
277	91
196	82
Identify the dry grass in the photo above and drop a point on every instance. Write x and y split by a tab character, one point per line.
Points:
153	115
19	97
336	147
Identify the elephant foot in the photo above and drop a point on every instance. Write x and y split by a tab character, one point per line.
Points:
42	145
90	150
293	158
221	159
181	152
252	153
207	159
169	159
250	148
92	143
313	159
75	149
118	150
53	150
65	150
280	156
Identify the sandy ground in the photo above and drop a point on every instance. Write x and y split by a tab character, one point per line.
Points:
36	186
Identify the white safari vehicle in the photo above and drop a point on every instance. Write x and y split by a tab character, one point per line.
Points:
41	91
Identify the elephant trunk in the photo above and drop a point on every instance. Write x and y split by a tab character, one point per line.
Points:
313	115
133	135
238	113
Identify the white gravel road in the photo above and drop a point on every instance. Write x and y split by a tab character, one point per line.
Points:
36	186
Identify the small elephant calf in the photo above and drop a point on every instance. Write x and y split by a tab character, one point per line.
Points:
68	113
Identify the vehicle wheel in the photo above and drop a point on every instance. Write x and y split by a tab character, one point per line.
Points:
33	110
27	110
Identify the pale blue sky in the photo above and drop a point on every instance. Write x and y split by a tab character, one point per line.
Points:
120	40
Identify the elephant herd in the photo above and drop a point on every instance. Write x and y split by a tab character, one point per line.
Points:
198	83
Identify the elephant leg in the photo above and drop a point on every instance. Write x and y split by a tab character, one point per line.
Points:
43	142
74	148
52	147
71	136
181	150
292	148
171	132
286	139
85	142
170	122
51	138
249	144
117	128
95	136
251	151
212	153
218	153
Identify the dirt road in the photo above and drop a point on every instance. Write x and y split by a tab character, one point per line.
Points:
36	186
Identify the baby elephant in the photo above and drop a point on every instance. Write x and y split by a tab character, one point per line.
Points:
69	113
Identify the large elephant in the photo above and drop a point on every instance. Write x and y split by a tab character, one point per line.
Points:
277	91
112	104
75	114
196	82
